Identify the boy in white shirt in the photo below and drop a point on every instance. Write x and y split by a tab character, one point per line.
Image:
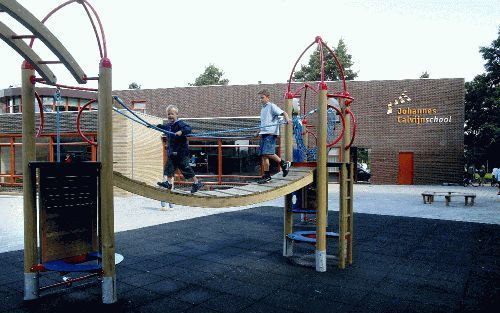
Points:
269	131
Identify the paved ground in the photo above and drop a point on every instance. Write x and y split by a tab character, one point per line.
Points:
231	262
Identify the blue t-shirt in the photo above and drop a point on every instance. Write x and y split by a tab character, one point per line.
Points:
269	115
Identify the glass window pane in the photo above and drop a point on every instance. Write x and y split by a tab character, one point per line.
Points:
77	152
73	102
42	153
15	105
4	160
18	167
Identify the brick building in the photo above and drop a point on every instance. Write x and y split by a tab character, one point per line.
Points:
411	129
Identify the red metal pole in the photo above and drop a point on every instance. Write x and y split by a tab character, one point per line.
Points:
51	149
93	149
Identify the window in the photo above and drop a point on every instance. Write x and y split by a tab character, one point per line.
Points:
48	104
72	104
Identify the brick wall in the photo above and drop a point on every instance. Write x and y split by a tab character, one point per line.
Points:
437	147
137	150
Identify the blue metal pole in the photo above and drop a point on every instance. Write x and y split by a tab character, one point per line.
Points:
57	97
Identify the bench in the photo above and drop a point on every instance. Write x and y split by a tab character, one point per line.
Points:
428	197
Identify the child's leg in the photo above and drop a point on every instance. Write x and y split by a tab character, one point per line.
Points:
266	163
284	165
188	174
168	174
274	157
170	179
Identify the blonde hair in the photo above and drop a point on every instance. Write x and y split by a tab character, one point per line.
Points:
173	107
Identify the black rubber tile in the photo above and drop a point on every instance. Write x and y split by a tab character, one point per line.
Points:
196	295
140	279
166	286
169	258
227	303
135	297
164	304
238	288
192	276
10	299
400	264
146	265
377	303
199	309
266	308
298	301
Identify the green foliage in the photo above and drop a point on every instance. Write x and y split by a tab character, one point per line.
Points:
211	76
134	85
482	111
425	75
311	71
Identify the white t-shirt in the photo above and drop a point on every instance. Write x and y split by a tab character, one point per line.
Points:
269	115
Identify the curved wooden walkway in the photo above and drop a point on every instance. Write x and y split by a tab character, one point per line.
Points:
236	196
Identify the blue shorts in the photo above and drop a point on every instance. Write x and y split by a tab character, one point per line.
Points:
268	144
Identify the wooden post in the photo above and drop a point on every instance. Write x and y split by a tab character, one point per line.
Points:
305	139
322	181
29	204
343	211
350	212
105	153
288	215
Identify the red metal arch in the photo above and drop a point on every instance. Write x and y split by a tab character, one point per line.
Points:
318	40
78	123
102	47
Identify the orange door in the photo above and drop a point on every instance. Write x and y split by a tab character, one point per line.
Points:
405	173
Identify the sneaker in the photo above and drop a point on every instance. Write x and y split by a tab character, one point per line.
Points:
264	180
196	186
165	184
285	166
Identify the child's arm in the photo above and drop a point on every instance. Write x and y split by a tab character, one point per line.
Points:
279	112
185	129
287	119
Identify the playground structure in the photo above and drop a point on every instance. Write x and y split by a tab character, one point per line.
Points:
299	177
343	100
105	156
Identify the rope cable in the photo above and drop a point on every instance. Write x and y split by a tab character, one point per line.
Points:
57	98
200	135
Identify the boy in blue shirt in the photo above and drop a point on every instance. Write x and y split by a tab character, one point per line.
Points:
177	151
269	115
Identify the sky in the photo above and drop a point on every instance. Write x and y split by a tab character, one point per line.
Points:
163	44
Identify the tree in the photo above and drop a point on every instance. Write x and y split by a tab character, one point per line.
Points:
482	111
211	76
134	85
425	75
311	71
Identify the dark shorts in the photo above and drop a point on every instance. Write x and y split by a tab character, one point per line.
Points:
268	144
182	163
